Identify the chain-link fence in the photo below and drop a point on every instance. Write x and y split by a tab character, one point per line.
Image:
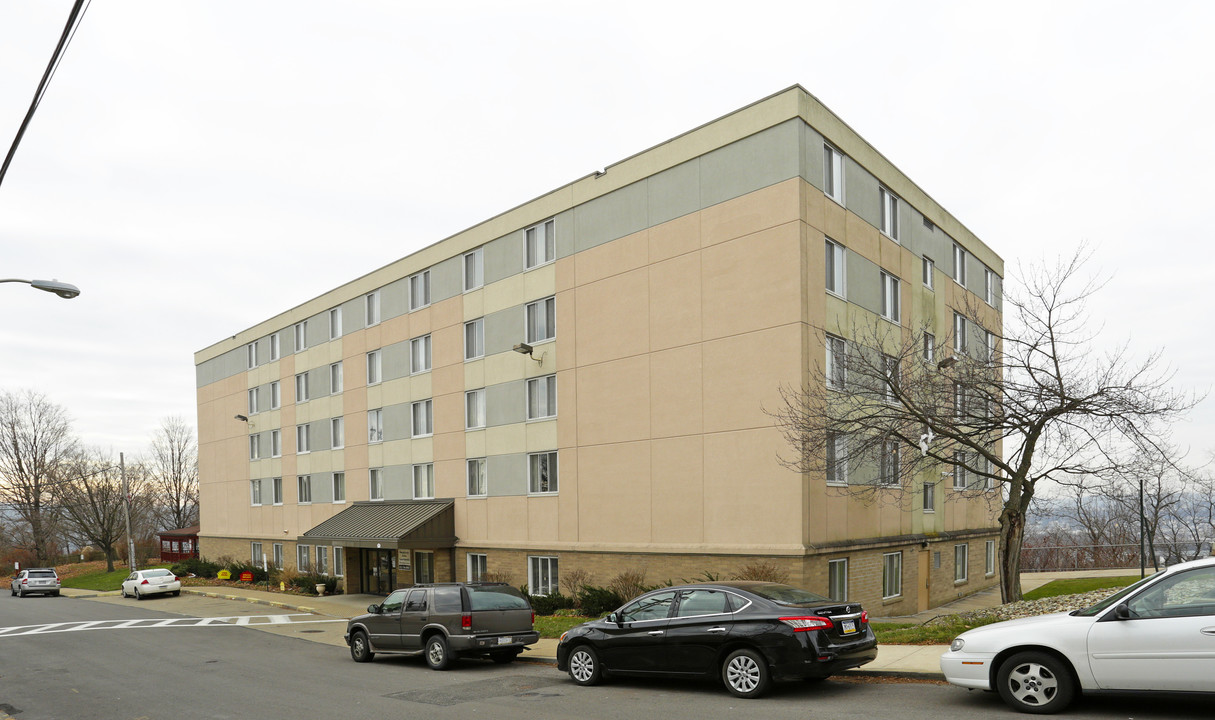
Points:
1039	558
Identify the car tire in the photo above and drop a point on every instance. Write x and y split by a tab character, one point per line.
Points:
55	594
360	647
177	593
745	674
584	666
438	655
503	658
21	593
1035	682
137	595
14	592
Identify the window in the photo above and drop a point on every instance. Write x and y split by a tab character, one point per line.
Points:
304	487
301	336
989	558
890	297
322	559
251	351
542	397
989	345
274	347
336	381
959	470
930	347
989	286
837	368
930	497
959	333
371	308
373	367
542	575
837	458
835	268
302	562
423	566
837	579
424	481
255	447
419	354
337	433
252	400
541	320
474	409
890	462
892	575
339	487
422	420
278	556
339	561
375	425
276	396
541	242
255	492
542	472
335	323
833	173
959	265
959	401
302	440
474	270
929	272
276	443
477	567
476	477
301	387
961	556
889	214
256	555
375	477
278	490
890	367
419	290
474	339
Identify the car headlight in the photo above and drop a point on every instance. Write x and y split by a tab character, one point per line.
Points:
957	644
567	632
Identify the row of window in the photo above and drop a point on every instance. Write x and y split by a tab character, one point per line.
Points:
965	477
303	558
892	570
836	277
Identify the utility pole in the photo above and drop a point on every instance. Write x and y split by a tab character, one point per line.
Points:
1142	559
126	504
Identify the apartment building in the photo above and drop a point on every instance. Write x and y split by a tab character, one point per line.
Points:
581	382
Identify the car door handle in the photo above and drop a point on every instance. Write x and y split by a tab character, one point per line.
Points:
654	632
716	630
1208	631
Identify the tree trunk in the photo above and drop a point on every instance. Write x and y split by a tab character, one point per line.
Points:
109	558
1012	533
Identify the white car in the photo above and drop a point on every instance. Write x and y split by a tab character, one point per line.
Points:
1158	634
143	583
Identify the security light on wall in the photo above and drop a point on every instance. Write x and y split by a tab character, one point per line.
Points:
947	362
242	418
525	349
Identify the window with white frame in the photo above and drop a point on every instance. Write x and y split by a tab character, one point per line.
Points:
834	267
929	269
419	355
542	397
301	387
276	395
419	290
889	214
255	447
274	347
373	367
277	486
251	352
478	567
889	466
423	566
474	339
959	333
837	458
304	489
892	575
256	553
375	425
339	487
303	442
541	243
989	345
989	286
989	558
278	556
542	472
474	269
930	347
301	336
542	575
541	320
477	485
336	379
474	409
337	433
252	400
255	492
424	481
959	401
371	308
930	497
335	323
959	265
322	559
339	560
375	479
276	443
961	558
303	561
959	469
890	297
836	365
890	366
837	579
833	173
423	423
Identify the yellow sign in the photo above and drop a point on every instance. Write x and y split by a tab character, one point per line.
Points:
223	575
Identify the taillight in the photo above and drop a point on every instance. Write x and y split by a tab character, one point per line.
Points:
864	617
25	581
466	621
145	582
533	618
807	623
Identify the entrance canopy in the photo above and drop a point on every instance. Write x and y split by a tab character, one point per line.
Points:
390	523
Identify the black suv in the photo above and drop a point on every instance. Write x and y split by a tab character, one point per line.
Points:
444	622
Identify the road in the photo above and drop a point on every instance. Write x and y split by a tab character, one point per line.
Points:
203	658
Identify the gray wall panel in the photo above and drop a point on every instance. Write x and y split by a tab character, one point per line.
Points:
506	403
504	256
864	283
506	475
504	329
758	161
398	483
318	329
447	279
354	315
608	217
222	367
394	361
674	193
566	233
394	299
322	487
812	158
397	422
861	193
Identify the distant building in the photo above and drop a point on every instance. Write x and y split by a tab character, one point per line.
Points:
580	383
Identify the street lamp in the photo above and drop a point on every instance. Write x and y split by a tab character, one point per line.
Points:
64	290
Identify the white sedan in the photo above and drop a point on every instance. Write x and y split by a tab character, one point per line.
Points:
1158	634
143	583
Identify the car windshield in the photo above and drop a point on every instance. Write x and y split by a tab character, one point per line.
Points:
156	573
496	597
1116	598
787	595
42	573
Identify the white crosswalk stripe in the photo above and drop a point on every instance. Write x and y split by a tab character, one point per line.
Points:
224	621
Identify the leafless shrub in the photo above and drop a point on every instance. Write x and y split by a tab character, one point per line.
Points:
761	570
629	583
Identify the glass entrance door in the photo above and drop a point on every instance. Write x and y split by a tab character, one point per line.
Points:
379	571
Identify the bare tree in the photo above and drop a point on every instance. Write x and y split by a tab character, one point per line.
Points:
174	474
999	412
92	501
35	443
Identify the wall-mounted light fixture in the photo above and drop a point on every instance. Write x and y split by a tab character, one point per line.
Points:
242	418
948	362
525	349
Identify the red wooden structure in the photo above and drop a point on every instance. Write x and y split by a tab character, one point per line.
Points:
180	544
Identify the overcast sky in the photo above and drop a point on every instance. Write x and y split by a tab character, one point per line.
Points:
196	168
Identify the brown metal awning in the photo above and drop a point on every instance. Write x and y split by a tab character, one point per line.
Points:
390	523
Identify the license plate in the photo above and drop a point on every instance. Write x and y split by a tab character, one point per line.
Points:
504	640
848	627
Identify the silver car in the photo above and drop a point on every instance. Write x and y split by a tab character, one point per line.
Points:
36	581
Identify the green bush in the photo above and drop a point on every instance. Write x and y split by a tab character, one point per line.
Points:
308	582
598	601
195	566
236	568
548	604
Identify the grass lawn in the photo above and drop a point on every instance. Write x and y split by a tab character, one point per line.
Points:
551	626
99	579
1073	586
941	632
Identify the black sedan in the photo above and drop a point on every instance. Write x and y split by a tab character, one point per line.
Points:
748	633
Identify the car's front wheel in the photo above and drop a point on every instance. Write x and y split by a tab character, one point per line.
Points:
360	647
1034	682
438	656
745	674
584	666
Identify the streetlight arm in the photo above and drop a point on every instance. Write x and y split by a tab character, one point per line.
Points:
62	289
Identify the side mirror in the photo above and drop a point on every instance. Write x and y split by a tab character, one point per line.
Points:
1122	612
616	618
373	609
